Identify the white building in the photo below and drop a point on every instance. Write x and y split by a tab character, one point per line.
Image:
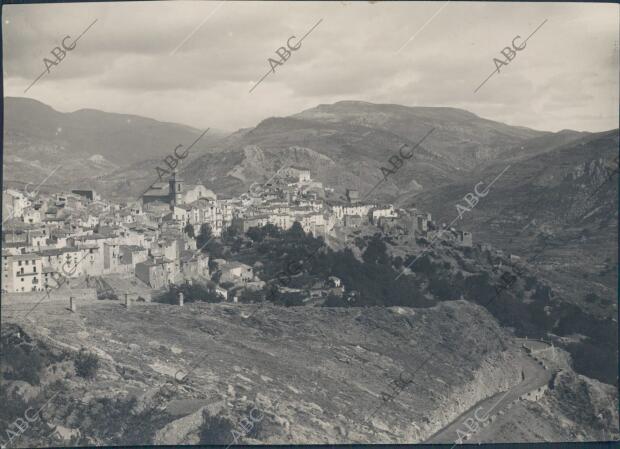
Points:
15	203
302	174
386	212
22	273
31	215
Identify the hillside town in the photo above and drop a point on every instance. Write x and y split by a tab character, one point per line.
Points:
153	243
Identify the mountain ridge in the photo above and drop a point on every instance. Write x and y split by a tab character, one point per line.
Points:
356	137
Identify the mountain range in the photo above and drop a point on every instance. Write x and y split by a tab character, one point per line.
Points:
89	148
344	144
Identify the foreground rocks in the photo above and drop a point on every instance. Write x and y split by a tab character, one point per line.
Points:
317	375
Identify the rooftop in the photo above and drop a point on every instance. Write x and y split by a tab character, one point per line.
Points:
14	245
153	263
132	248
58	251
29	256
234	264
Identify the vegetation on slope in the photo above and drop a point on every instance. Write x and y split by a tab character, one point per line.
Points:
514	294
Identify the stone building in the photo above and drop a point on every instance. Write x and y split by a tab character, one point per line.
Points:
464	238
156	273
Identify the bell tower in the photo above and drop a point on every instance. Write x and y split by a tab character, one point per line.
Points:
177	189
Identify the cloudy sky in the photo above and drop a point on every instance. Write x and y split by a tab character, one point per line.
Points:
195	62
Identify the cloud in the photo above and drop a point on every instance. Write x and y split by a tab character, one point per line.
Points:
565	78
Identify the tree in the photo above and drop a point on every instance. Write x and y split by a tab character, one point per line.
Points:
236	245
86	364
204	236
256	234
359	242
420	264
376	252
212	265
296	232
189	230
215	249
21	362
231	232
397	262
271	230
441	289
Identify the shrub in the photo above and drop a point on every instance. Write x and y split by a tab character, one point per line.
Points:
21	363
251	296
542	293
256	234
420	264
360	243
397	262
595	360
376	252
290	299
530	283
86	364
195	292
236	245
441	289
14	407
335	301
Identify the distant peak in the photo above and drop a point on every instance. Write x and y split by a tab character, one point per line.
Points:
354	102
27	101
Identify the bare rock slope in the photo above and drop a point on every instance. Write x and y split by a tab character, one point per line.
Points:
317	375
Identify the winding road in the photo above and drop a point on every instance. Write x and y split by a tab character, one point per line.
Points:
535	376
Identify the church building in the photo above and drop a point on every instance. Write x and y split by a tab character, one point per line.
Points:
176	192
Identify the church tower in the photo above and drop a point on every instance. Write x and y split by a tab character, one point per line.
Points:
176	189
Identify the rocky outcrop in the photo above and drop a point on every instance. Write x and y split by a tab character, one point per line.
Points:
586	407
185	430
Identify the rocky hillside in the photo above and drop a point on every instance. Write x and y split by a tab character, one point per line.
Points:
558	209
463	138
316	374
346	144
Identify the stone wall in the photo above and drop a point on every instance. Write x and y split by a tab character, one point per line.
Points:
79	294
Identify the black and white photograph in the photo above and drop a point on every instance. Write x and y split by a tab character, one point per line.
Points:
309	223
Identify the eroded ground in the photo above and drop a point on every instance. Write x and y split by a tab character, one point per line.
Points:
317	374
